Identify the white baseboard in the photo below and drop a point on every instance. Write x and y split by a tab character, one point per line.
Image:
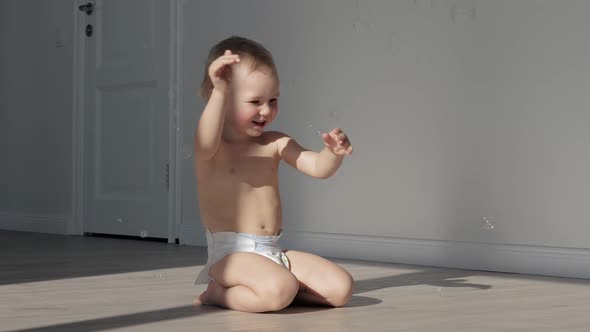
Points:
535	260
29	222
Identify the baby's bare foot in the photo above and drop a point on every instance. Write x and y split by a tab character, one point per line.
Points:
204	297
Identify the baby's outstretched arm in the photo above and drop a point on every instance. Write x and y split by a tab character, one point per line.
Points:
320	165
210	127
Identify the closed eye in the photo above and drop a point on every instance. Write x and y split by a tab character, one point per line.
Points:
257	102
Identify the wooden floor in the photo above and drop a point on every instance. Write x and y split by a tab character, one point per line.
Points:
69	283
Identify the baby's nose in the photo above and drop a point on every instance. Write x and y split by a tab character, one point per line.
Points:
265	109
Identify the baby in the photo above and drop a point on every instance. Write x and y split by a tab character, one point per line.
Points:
236	164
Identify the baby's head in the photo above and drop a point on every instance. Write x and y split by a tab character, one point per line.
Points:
253	89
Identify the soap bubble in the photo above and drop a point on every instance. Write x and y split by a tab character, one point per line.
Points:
315	130
143	233
487	224
457	12
159	276
187	151
440	291
119	220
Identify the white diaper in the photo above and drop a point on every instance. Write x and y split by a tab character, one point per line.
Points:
221	244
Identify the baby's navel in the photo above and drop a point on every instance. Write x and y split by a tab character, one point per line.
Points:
232	170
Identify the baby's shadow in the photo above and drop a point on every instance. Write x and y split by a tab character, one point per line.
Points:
434	277
361	301
355	301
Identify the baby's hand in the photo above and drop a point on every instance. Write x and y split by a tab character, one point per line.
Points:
219	70
337	141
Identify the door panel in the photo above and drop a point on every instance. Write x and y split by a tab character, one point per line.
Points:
126	116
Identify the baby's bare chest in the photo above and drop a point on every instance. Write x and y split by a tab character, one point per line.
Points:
254	166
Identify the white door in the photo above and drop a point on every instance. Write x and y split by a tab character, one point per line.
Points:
126	117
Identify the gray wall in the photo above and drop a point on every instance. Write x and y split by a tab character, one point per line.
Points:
458	110
36	108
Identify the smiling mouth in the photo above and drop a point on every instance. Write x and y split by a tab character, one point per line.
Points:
259	123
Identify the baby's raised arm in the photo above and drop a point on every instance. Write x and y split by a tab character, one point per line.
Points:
321	165
210	126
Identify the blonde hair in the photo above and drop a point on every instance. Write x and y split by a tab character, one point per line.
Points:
245	48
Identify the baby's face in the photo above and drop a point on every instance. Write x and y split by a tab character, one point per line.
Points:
253	99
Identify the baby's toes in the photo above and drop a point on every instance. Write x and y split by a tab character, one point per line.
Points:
204	297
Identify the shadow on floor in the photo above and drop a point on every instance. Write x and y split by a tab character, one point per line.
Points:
114	322
355	301
437	278
30	257
153	316
442	277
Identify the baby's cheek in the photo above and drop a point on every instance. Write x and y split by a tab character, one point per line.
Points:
274	113
245	116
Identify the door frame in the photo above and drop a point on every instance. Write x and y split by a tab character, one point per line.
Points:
75	223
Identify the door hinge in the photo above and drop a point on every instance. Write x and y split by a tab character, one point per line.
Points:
168	177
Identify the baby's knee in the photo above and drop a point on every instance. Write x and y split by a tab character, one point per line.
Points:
342	290
278	293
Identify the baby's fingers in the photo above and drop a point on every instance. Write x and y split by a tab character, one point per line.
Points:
220	72
228	59
224	61
228	55
328	139
342	138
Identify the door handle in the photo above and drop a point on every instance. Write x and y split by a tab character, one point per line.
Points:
87	8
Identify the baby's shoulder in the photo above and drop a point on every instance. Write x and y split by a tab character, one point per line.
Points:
273	136
281	142
276	137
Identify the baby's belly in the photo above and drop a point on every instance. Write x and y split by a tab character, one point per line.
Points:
255	211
